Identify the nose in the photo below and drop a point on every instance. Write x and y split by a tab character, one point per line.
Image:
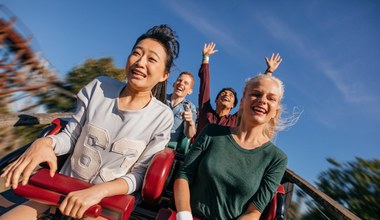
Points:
262	99
141	61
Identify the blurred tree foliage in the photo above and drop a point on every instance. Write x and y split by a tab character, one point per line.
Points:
354	184
77	78
82	75
293	212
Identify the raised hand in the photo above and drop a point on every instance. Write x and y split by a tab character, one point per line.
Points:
39	151
187	116
209	49
273	63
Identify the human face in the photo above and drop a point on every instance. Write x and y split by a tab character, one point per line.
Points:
183	86
261	101
226	99
146	65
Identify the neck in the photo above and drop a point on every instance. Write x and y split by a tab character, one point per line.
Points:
248	136
221	111
175	100
131	99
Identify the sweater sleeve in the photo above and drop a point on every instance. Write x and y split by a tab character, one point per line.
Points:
66	140
204	87
190	166
158	142
204	103
270	182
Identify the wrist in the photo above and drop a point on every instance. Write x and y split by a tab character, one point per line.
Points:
190	123
205	58
53	141
184	215
268	72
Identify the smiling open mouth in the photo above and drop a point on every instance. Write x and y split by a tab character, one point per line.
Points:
259	110
138	73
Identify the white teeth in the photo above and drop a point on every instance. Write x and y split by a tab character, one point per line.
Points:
138	73
259	109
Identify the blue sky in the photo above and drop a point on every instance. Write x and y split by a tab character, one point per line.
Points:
330	51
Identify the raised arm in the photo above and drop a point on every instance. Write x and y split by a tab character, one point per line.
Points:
204	75
272	63
204	104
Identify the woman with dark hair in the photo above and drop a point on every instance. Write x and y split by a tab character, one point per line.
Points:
110	145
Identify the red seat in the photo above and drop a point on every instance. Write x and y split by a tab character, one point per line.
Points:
275	208
156	176
115	207
51	198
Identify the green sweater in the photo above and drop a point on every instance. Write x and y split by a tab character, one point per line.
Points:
224	177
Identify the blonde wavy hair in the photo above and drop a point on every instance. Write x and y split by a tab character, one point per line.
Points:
277	123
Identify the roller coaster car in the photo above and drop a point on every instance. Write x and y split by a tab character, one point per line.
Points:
156	192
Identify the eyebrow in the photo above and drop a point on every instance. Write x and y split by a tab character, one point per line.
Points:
256	90
150	51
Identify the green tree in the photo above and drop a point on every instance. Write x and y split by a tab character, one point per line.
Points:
82	75
77	78
355	185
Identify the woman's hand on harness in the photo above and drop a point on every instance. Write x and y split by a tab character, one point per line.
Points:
41	150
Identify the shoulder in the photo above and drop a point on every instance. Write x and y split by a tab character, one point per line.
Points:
104	82
163	109
192	106
101	86
108	81
212	133
277	152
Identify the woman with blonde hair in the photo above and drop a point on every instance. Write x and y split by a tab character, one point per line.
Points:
233	172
